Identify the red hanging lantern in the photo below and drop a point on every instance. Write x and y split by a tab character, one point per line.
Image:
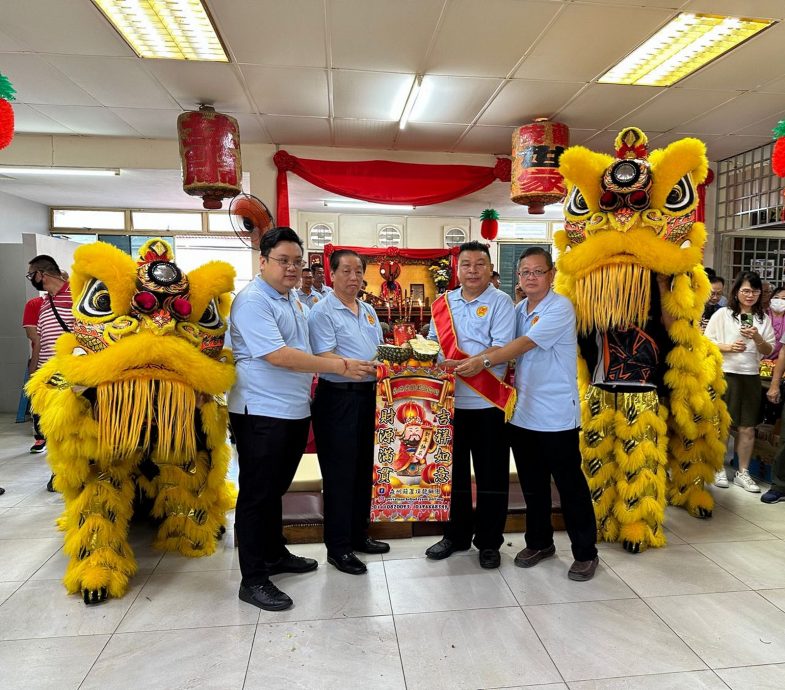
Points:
489	227
210	155
536	149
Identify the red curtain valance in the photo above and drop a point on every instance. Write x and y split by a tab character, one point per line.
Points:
394	253
387	182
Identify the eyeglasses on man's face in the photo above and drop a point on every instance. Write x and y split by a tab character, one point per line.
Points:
747	292
284	263
716	293
536	273
32	274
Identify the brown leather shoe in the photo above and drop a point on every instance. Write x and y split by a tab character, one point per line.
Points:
529	557
580	571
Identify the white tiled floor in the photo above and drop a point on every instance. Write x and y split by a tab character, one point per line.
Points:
707	611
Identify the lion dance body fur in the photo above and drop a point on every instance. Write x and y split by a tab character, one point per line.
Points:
653	420
133	401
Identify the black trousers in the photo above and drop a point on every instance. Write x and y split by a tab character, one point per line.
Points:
479	434
268	452
343	425
37	427
538	456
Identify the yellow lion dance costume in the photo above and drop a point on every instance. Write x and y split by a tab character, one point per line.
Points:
653	420
134	398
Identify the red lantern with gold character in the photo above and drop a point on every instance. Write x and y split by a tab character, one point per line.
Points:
535	179
210	154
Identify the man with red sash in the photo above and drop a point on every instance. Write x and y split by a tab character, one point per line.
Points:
476	319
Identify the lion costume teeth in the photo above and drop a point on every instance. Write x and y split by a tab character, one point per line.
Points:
133	401
628	219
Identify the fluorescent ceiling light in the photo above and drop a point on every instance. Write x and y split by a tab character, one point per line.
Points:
169	29
682	46
365	205
34	170
407	109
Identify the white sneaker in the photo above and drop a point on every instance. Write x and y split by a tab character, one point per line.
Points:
746	482
721	479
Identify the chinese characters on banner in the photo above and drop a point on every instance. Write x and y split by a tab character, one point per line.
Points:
412	477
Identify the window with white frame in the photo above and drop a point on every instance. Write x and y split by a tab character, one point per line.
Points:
390	236
319	235
454	236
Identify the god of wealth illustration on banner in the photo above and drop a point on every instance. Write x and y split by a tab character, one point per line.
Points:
412	478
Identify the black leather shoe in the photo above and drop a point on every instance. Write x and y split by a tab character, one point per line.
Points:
292	564
490	558
348	563
50	485
443	549
266	596
371	546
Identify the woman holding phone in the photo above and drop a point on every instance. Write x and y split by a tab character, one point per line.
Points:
744	334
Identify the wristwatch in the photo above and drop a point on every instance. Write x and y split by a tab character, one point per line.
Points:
486	363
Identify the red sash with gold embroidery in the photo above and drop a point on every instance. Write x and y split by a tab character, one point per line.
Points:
494	390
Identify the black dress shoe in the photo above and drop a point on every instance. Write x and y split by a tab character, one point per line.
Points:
490	558
266	596
347	563
371	546
443	549
292	564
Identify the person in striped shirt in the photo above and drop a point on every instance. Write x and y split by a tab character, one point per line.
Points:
54	319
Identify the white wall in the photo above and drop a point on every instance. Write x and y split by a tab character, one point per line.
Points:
19	215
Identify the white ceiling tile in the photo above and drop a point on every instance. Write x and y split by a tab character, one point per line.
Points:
27	120
746	67
773	86
63	26
251	129
304	131
486	39
601	104
521	101
496	141
193	83
452	99
9	44
271	32
288	90
727	146
364	134
151	124
429	137
673	107
370	95
585	40
762	128
88	120
36	81
662	4
382	36
578	137
114	82
738	114
764	9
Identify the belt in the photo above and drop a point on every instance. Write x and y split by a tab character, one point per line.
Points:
349	385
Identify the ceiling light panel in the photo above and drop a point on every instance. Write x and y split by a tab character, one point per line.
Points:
684	45
168	29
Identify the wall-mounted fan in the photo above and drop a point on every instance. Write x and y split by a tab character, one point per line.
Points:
250	219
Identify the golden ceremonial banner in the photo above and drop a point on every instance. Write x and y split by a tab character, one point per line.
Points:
412	477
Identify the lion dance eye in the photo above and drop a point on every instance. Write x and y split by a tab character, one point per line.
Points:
682	196
576	204
211	318
95	300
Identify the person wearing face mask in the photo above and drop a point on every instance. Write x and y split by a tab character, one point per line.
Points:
744	335
776	313
54	319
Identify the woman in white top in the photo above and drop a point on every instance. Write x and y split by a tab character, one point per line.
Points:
744	334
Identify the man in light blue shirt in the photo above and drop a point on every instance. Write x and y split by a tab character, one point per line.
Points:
269	409
307	295
483	319
344	414
545	426
319	287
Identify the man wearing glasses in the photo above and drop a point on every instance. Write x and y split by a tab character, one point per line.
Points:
269	408
544	430
54	319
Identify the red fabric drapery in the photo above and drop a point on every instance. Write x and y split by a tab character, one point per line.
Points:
399	253
386	182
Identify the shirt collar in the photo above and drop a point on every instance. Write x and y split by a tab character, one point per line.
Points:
269	290
543	303
482	297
